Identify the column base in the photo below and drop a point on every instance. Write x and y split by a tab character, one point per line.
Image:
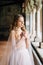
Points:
37	39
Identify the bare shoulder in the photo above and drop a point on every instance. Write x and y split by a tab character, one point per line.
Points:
12	32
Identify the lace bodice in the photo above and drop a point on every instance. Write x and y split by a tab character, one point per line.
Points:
18	43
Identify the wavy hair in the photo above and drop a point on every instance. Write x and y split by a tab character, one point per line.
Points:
16	17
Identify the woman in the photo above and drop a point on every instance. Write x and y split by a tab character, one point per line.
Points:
20	43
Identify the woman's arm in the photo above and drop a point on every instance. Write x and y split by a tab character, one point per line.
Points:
27	39
27	42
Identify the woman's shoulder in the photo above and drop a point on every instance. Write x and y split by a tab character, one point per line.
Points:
12	31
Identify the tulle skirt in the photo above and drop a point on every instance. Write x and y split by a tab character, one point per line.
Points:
20	57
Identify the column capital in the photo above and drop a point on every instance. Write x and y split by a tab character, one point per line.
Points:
34	10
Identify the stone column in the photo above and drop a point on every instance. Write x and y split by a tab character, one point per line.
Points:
42	21
30	23
33	26
38	23
27	22
38	33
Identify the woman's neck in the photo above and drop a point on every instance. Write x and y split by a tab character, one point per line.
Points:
17	28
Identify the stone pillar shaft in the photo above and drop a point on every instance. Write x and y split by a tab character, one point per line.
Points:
38	23
33	26
31	23
42	21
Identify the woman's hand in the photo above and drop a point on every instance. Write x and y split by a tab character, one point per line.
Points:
21	34
25	34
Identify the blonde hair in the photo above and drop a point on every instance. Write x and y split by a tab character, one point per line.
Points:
16	17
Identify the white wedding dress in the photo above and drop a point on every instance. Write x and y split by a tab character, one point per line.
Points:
20	55
17	55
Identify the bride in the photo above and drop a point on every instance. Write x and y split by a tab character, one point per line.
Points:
20	51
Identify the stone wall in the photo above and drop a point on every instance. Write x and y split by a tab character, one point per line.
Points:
7	13
6	18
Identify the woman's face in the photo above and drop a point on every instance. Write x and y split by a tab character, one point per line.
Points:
20	22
